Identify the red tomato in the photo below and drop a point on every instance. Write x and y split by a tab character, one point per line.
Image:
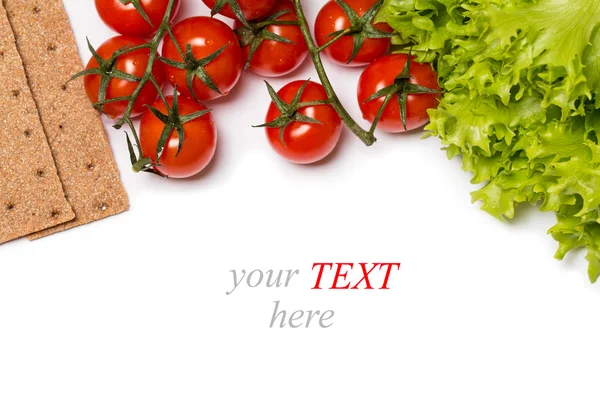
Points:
381	74
126	20
305	143
133	63
252	9
273	58
332	18
199	144
205	35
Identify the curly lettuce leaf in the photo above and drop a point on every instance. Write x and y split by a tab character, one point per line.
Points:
591	60
521	102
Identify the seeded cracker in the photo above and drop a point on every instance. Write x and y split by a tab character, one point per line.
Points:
31	195
79	144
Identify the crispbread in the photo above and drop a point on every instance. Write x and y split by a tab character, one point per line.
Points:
31	194
79	144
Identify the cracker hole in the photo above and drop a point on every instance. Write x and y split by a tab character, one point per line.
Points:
1	53
40	173
36	10
64	87
16	93
10	207
51	47
55	214
27	133
103	207
61	127
91	166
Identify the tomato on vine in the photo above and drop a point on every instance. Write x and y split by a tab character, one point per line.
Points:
182	136
346	32
205	61
134	17
395	93
107	77
250	9
301	125
275	46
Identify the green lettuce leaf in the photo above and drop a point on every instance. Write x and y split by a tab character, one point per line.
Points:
521	102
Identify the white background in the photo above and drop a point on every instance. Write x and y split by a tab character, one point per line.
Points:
134	307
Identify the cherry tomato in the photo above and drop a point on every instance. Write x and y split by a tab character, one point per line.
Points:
133	63
381	74
273	58
205	35
126	20
332	18
199	144
252	9
305	143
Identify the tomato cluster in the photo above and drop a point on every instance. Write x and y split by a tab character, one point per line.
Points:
203	59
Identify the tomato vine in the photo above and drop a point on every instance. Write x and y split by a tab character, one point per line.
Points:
361	30
315	52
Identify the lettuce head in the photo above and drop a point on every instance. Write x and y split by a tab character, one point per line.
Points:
521	103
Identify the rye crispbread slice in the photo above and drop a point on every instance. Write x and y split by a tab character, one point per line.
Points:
76	135
31	193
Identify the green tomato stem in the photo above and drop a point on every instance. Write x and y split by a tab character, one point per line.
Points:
367	137
153	47
141	165
334	39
